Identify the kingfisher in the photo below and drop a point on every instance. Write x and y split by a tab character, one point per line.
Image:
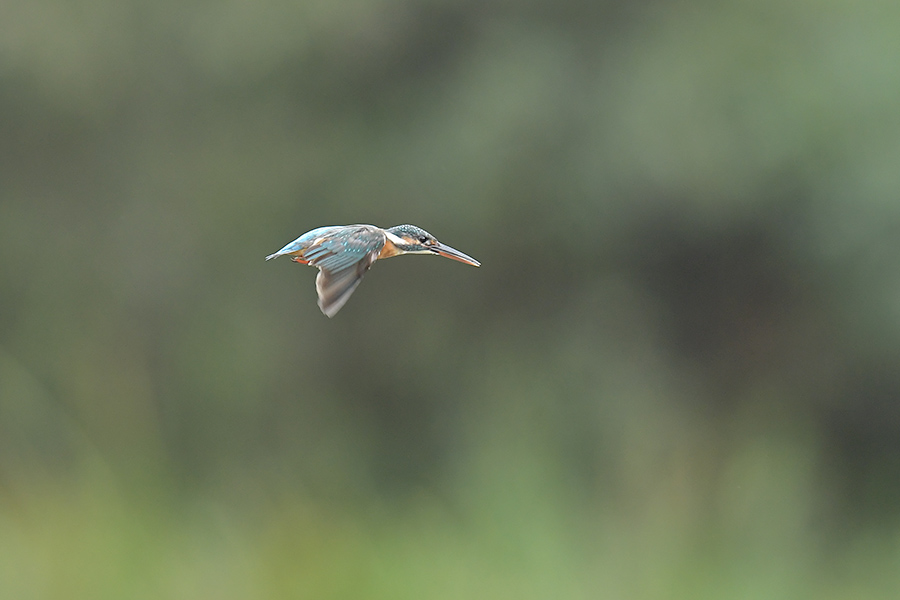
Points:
343	254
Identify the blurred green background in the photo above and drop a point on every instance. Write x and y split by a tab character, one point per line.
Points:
677	374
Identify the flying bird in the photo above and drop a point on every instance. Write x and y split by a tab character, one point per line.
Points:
343	254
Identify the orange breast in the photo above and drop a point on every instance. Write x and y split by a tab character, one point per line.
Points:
388	250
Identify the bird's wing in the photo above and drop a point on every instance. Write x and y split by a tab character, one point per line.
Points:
343	258
335	289
345	247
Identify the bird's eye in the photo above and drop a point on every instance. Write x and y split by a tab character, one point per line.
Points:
422	239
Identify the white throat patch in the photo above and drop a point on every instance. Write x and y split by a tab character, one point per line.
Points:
394	239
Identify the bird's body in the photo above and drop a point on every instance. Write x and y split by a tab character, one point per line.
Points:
343	254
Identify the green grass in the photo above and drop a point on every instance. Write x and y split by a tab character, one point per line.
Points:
505	530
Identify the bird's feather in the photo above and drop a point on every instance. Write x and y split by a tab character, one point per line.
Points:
335	288
342	259
341	249
297	246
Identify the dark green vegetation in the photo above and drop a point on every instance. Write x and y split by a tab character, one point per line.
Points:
676	374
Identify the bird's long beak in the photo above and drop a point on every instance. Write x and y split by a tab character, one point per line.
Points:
445	250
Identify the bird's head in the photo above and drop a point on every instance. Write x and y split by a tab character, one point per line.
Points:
414	240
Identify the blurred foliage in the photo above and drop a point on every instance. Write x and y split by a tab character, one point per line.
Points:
677	374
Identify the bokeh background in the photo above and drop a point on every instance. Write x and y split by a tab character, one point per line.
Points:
676	375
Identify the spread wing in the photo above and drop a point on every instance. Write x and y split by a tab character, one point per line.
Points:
342	258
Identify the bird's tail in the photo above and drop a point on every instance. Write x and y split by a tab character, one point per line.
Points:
275	255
